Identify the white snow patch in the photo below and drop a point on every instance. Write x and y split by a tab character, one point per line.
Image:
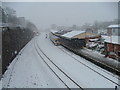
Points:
113	26
53	31
15	52
112	39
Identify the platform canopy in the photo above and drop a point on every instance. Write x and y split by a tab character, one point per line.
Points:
81	35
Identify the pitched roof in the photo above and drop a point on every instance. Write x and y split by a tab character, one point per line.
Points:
72	34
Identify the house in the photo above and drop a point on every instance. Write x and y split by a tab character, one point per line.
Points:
113	30
112	42
112	46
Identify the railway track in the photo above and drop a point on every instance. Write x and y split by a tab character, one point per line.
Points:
90	67
61	75
71	53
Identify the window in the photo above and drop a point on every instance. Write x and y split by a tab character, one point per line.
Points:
119	32
113	30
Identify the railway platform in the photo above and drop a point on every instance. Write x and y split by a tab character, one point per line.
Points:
99	59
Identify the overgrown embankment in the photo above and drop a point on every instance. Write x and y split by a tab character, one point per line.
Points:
13	40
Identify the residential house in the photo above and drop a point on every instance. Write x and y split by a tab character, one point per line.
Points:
112	42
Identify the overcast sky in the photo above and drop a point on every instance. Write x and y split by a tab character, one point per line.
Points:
43	14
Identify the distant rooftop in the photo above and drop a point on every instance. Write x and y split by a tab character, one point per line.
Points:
4	24
53	31
113	26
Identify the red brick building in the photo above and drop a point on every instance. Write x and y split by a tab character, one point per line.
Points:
112	47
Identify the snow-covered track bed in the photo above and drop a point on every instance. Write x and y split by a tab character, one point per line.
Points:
63	77
71	54
110	65
44	65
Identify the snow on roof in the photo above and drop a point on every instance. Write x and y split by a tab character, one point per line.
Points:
93	39
72	34
113	26
112	39
53	31
4	24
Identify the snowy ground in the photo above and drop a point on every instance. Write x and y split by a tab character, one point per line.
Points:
96	55
29	70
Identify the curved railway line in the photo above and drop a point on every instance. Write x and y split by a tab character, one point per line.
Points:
79	62
37	46
90	68
115	69
71	53
51	64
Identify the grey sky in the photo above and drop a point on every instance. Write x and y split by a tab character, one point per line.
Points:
43	14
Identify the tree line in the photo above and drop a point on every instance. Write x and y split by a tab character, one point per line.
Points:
96	25
16	33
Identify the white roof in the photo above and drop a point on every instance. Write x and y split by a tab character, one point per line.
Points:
53	31
112	39
93	39
72	34
113	26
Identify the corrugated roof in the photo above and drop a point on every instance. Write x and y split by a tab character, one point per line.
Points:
72	34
